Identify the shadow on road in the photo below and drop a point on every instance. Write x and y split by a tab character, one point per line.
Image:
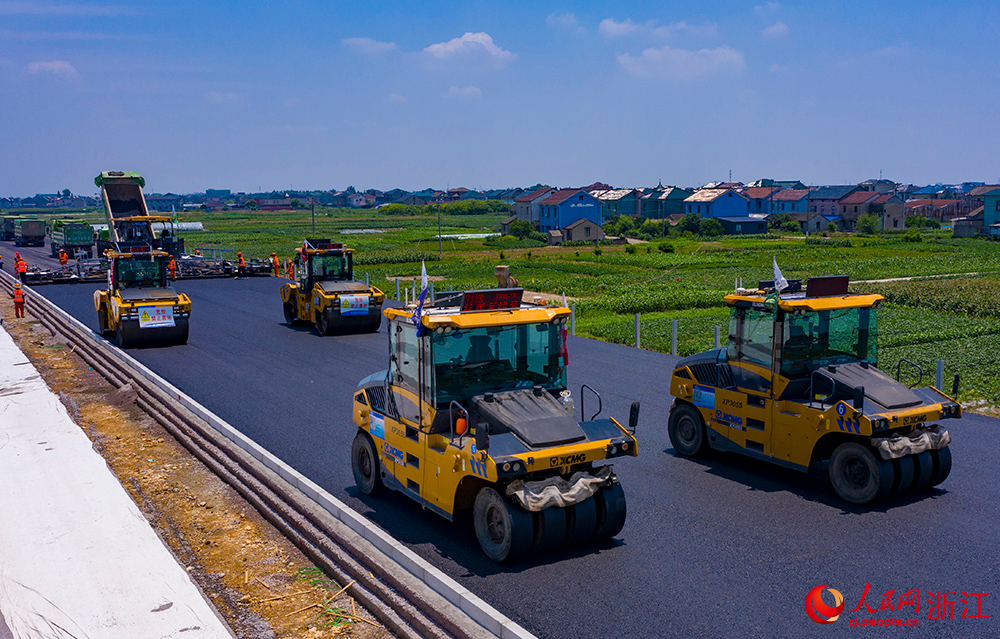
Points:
759	475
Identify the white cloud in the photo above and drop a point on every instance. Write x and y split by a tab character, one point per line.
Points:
367	46
563	21
395	97
465	93
611	28
770	6
58	68
471	45
776	30
668	62
220	97
48	9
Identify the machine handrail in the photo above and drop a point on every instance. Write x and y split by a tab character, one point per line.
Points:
833	384
600	403
899	366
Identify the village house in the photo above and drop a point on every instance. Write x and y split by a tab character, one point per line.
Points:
724	202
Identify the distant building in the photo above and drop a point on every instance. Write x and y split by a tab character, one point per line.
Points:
583	229
526	206
781	184
565	206
722	202
664	202
618	201
942	210
825	199
790	201
760	199
885	206
991	208
969	226
163	203
810	222
743	225
411	200
217	194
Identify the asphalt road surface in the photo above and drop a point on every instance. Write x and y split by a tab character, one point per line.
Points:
722	547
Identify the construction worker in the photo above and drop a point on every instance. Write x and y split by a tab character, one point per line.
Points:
241	265
63	258
22	269
276	264
18	300
289	270
172	267
197	252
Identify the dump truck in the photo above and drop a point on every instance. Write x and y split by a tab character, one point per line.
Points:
7	228
29	232
473	413
325	293
798	385
76	238
138	307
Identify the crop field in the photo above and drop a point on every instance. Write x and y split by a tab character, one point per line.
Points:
950	311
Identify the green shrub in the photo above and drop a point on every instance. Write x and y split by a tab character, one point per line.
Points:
913	235
630	248
831	241
665	247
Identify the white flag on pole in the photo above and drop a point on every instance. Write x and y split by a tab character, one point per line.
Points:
420	300
780	283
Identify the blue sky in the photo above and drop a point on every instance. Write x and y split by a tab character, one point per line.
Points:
309	95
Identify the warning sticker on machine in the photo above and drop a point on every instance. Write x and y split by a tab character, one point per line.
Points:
353	304
376	425
704	397
156	316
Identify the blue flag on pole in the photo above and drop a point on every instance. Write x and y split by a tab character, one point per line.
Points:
420	300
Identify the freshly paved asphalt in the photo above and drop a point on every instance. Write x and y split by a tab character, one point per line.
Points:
721	547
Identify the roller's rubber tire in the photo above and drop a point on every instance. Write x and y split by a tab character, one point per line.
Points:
120	340
322	324
182	338
906	474
504	531
942	465
289	312
611	511
924	465
687	431
550	530
581	521
365	465
858	476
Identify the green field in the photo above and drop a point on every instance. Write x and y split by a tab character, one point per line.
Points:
955	318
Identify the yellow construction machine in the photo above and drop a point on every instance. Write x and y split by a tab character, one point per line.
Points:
325	293
138	307
799	385
473	412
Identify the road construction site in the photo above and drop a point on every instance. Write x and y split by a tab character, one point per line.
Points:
719	542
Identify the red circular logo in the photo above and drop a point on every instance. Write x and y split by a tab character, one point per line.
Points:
817	609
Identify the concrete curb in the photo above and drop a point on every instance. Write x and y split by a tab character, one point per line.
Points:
477	609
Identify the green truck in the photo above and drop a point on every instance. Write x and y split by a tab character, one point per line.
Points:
29	233
74	237
7	228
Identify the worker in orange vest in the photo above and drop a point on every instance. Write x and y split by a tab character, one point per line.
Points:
63	258
276	264
172	267
22	269
289	270
241	266
18	300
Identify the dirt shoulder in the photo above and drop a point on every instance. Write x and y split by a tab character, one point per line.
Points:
260	583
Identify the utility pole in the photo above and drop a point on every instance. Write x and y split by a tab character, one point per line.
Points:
439	230
314	218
